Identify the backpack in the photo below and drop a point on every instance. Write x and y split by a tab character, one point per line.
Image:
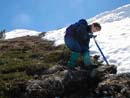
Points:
74	27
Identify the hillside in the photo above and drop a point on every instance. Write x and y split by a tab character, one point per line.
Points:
113	38
31	67
22	58
32	64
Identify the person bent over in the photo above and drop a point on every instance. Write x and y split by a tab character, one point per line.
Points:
77	39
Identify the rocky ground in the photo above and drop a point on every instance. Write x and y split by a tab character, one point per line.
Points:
31	67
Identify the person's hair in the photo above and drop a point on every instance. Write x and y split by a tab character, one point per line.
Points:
96	24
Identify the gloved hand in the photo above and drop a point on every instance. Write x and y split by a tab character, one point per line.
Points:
92	36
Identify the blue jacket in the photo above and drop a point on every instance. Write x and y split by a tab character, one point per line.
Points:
78	36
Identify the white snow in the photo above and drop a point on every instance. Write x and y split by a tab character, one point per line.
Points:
20	33
56	35
113	39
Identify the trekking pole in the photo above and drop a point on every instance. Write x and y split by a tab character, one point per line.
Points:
100	51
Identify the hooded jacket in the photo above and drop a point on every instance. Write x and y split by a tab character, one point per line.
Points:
78	36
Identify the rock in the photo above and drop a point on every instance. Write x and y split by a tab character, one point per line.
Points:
42	34
115	86
56	84
101	72
2	34
60	81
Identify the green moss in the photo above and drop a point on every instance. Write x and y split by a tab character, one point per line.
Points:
16	75
21	59
18	60
52	56
7	81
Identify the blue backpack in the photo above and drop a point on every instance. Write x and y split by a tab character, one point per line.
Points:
78	27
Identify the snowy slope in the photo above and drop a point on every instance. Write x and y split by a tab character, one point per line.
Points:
56	35
20	33
113	39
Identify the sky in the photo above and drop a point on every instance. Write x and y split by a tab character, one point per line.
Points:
46	15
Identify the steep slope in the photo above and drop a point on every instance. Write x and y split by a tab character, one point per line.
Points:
113	38
24	57
114	15
31	67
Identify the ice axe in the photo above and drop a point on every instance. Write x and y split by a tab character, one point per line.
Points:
100	50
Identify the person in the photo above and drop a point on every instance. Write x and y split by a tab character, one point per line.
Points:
77	38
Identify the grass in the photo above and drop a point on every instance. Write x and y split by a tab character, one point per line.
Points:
23	58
